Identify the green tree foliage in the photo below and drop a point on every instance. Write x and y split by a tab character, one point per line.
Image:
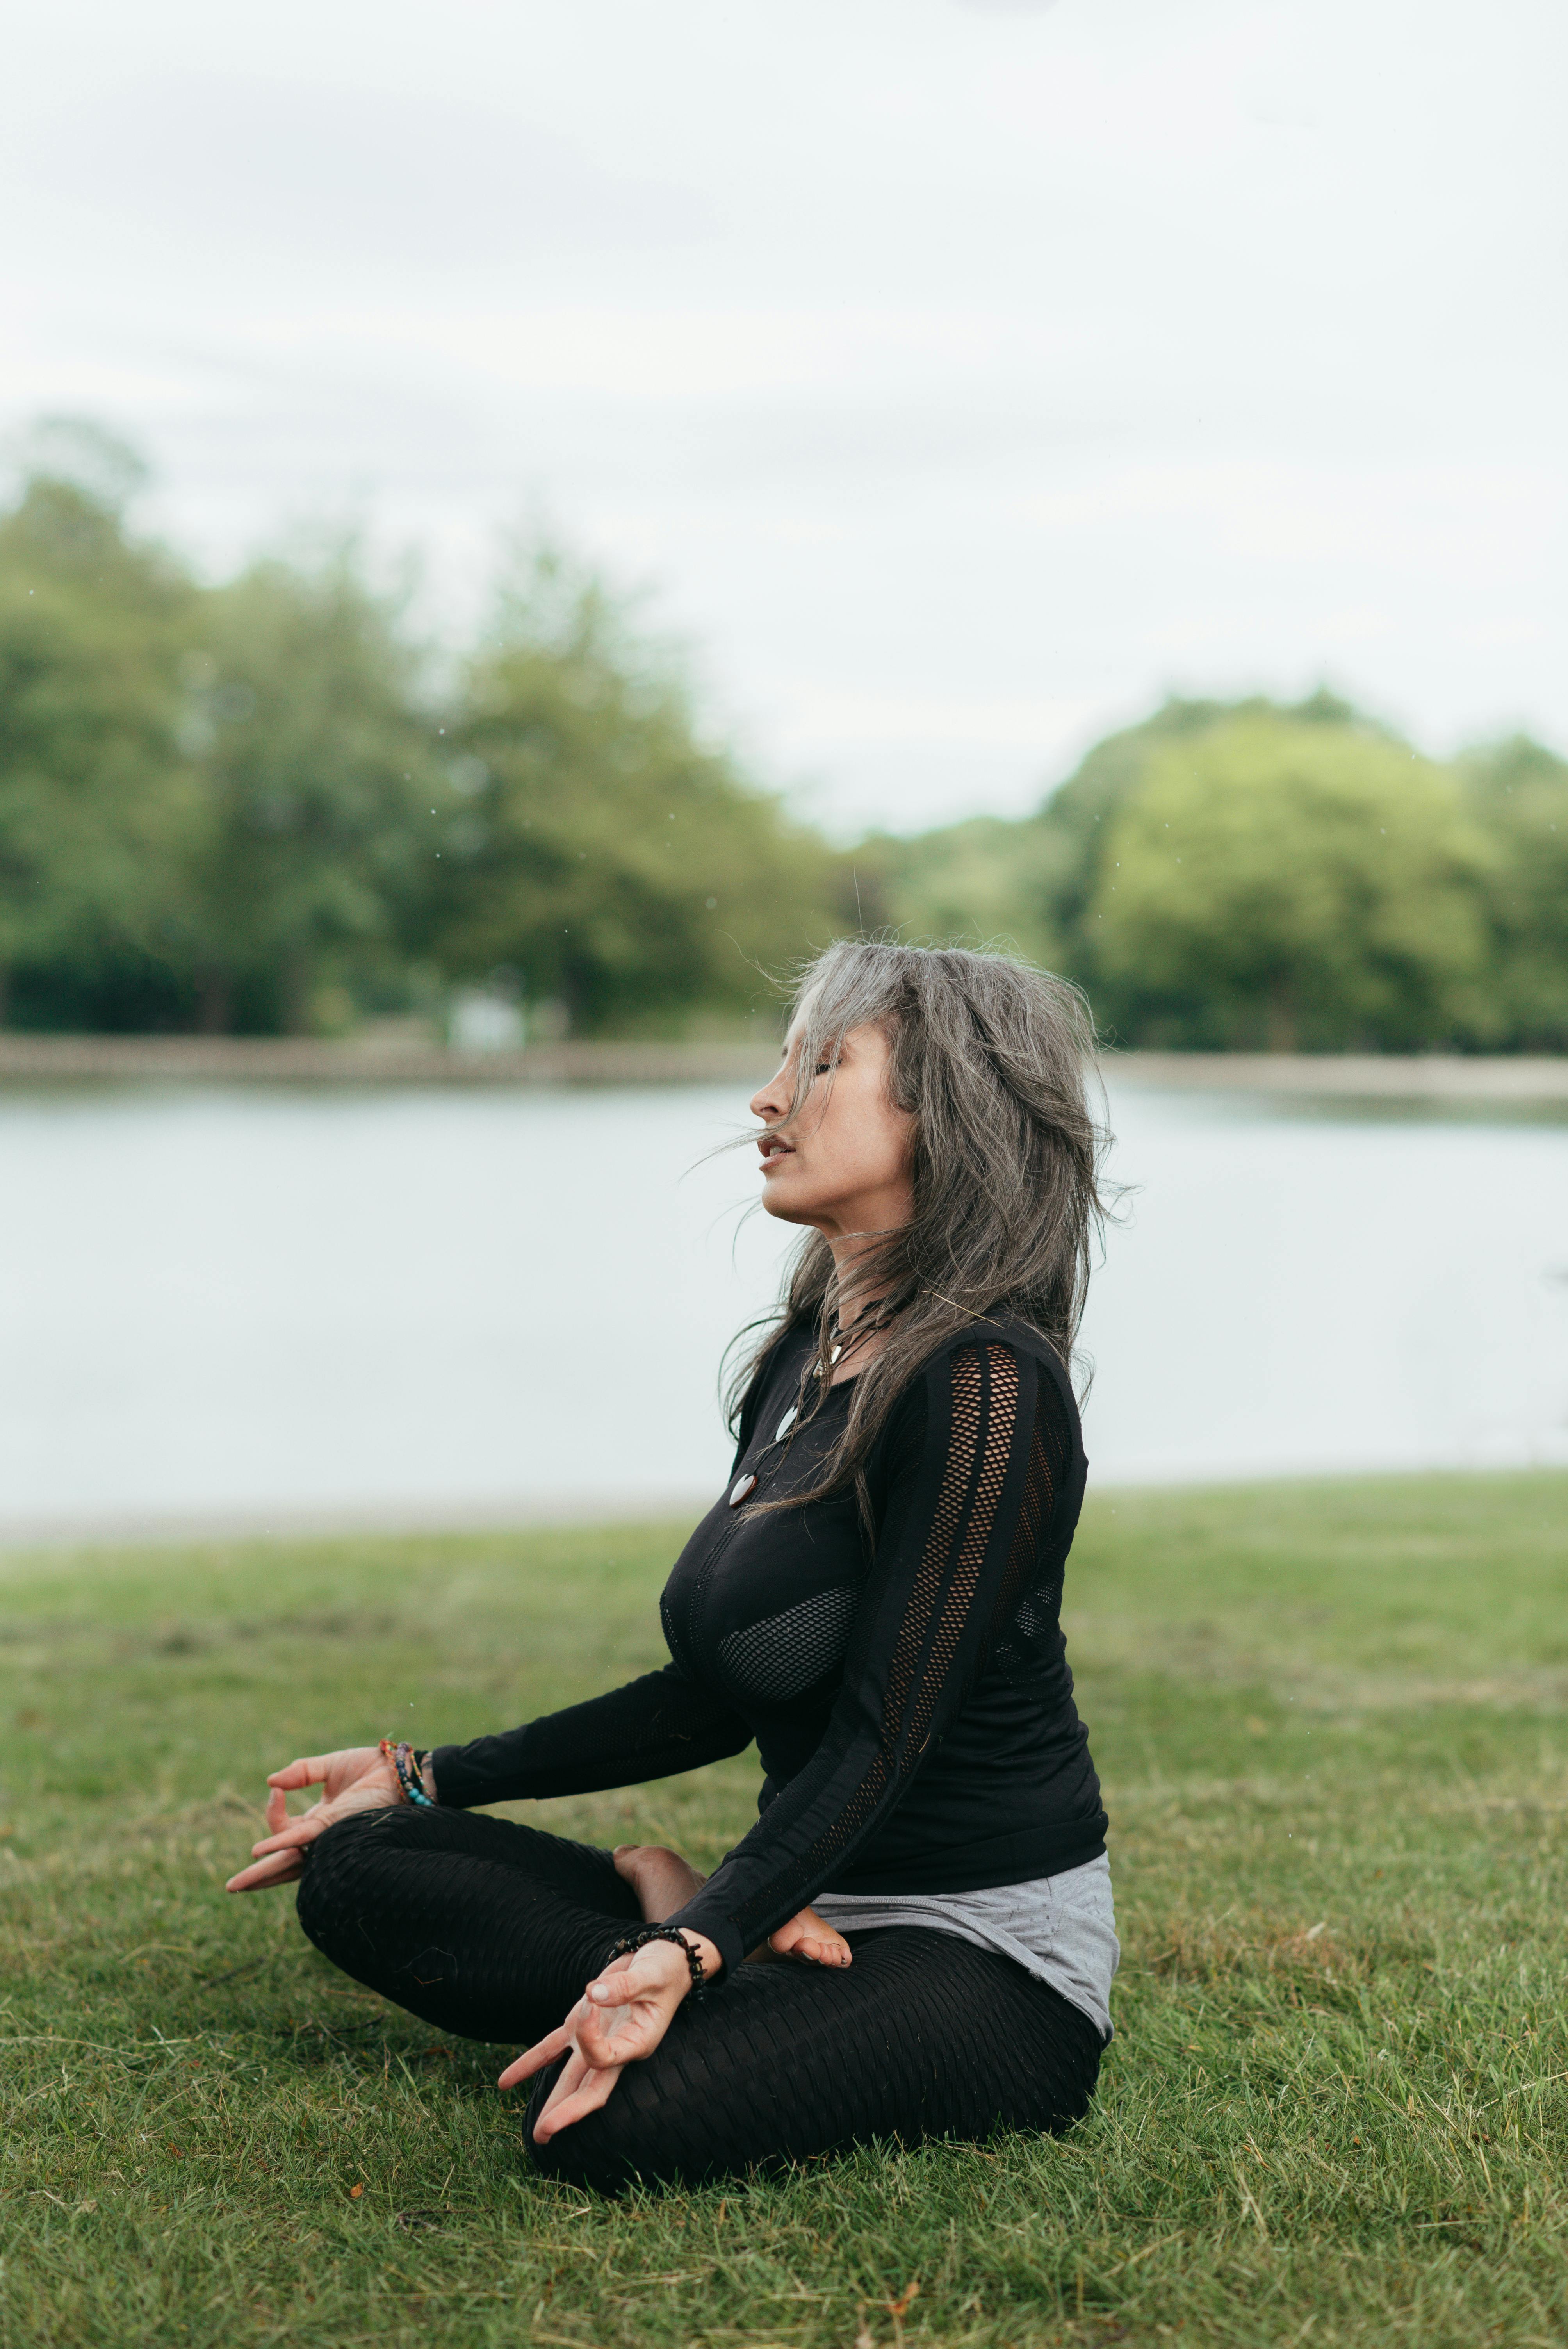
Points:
602	851
241	808
244	806
983	882
1031	879
1334	890
1517	793
1274	882
98	800
321	786
1079	816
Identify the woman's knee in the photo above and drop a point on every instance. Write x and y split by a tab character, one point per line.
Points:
635	2140
337	1862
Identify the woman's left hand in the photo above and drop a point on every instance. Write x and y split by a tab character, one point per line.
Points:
620	2019
357	1778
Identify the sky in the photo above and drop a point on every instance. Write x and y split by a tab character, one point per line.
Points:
956	380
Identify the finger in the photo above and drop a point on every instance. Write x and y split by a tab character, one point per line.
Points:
277	1810
567	2080
535	2059
570	2078
281	1868
617	1966
596	2090
637	1976
618	1982
298	1831
624	2034
308	1771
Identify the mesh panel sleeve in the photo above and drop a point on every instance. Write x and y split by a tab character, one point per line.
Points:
959	1492
649	1729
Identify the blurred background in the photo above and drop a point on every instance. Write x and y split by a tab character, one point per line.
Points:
517	525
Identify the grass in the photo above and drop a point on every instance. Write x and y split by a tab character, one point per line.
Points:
1331	1722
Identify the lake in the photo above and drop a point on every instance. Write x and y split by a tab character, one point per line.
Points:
275	1308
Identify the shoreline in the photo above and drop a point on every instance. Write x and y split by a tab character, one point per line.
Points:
30	1060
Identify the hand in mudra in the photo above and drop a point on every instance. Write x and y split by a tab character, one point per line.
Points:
625	2011
620	2019
359	1778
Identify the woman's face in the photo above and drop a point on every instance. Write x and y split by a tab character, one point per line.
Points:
845	1164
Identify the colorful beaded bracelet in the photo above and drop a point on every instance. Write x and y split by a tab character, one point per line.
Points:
410	1769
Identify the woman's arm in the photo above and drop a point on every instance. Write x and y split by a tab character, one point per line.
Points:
968	1491
652	1728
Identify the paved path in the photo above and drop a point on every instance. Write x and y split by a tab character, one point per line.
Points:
308	1060
1362	1076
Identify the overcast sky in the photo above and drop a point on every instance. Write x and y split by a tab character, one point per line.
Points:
962	377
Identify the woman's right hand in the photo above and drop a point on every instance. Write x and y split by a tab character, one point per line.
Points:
359	1778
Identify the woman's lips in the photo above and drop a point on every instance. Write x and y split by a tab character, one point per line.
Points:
774	1153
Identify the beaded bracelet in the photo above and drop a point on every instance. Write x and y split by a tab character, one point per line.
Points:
410	1769
646	1933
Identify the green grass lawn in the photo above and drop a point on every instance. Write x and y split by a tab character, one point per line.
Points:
1332	1721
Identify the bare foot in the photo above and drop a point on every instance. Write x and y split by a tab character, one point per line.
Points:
811	1937
661	1880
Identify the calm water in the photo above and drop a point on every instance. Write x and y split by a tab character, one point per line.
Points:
246	1304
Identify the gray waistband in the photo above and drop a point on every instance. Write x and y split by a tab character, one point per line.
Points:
1060	1929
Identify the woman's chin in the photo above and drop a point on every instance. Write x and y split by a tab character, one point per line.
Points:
777	1201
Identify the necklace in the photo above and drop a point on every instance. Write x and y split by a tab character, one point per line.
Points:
865	1325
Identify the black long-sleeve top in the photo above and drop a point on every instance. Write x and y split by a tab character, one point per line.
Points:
907	1686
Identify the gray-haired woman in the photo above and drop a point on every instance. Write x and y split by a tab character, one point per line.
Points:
875	1599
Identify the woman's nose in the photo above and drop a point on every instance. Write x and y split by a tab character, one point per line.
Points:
773	1101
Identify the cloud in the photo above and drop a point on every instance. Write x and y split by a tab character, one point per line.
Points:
363	174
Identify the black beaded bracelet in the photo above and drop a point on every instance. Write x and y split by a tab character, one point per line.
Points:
646	1933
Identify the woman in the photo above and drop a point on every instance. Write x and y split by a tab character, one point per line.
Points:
875	1598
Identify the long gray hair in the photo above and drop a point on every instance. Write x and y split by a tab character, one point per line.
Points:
993	1059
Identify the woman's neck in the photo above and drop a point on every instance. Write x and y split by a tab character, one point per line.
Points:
860	1335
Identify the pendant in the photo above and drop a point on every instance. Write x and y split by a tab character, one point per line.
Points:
786	1423
740	1488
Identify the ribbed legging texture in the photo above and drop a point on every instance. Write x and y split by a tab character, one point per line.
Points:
490	1931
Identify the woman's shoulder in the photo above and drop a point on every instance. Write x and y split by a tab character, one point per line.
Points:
930	1390
962	1393
1001	1331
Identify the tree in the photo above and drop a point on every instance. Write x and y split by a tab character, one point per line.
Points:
1517	792
1080	814
604	852
1032	882
981	883
322	795
236	807
1299	885
98	800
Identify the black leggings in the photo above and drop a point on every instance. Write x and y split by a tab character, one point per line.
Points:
490	1931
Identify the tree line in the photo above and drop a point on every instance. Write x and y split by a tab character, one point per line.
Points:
1248	876
263	806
